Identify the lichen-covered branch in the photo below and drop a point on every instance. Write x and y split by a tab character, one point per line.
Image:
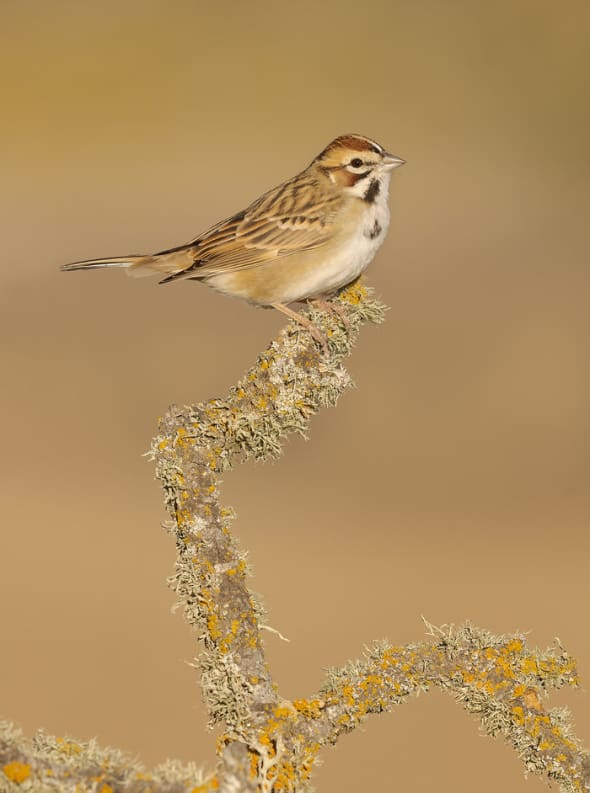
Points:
497	678
270	744
288	384
46	764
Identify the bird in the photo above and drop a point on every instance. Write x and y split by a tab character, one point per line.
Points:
303	240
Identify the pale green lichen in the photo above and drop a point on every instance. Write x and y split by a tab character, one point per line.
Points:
496	678
50	764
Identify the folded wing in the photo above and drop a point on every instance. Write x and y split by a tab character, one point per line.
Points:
278	224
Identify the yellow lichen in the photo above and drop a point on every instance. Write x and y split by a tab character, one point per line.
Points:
514	646
353	294
212	626
210	784
529	666
284	776
371	681
68	747
310	708
518	713
254	757
282	712
16	771
348	695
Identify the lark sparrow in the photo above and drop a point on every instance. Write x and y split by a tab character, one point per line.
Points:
305	239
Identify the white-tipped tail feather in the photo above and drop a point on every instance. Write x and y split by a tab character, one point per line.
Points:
138	266
97	264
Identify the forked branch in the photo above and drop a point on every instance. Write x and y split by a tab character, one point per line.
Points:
269	743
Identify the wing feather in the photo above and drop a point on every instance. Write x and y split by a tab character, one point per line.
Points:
295	216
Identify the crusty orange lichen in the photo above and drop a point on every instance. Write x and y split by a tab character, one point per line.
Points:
353	294
182	439
68	747
210	784
283	775
310	708
518	714
371	681
348	695
254	758
266	741
514	646
16	771
529	665
212	626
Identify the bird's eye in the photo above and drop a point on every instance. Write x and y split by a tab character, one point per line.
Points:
356	163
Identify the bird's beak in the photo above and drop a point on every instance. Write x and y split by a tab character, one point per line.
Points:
390	161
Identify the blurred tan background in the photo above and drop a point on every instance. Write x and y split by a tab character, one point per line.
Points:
452	483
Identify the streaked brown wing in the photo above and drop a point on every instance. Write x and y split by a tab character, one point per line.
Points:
283	221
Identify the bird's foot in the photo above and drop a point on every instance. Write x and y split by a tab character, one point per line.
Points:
313	330
334	308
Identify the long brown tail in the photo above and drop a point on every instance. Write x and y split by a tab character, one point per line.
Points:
97	264
138	266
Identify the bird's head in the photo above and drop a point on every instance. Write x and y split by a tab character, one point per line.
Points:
355	163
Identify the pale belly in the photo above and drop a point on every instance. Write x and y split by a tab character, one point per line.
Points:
299	276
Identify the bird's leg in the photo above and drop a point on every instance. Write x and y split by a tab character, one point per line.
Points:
332	307
312	329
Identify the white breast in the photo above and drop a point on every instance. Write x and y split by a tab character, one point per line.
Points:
340	263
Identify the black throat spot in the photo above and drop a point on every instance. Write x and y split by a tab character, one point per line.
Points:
372	191
374	231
